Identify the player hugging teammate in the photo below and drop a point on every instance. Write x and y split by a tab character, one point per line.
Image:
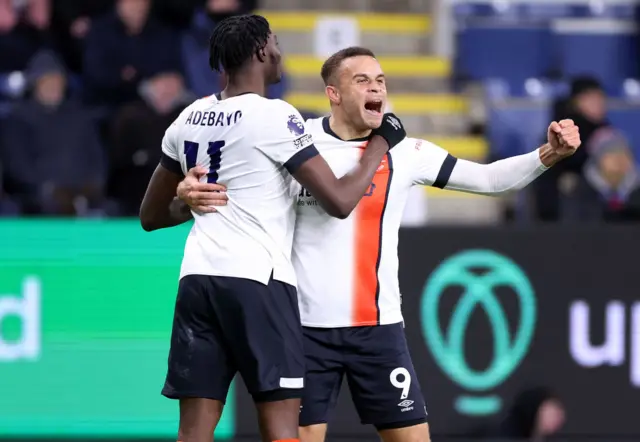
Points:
252	244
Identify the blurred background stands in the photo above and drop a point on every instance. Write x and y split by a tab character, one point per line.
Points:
480	78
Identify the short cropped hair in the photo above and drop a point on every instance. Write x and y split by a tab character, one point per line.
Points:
235	40
333	63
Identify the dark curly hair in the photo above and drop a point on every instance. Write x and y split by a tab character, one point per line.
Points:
235	40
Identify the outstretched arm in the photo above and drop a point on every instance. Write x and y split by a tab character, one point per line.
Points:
510	174
499	177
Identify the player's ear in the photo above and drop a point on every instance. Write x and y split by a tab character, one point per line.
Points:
262	55
333	94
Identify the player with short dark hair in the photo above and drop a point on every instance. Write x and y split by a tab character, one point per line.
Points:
348	288
332	64
236	309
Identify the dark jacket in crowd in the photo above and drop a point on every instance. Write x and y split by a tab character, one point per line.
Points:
546	188
19	45
594	204
136	138
176	13
64	14
47	148
595	199
109	50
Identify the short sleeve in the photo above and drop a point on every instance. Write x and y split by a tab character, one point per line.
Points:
432	165
170	158
284	139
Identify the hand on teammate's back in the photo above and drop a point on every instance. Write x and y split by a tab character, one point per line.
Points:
391	130
201	197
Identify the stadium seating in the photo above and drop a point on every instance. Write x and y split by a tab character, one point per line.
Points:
517	50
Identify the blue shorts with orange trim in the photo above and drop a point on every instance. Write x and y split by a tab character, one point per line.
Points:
378	367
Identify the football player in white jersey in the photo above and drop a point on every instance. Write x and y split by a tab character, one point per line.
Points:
347	269
236	309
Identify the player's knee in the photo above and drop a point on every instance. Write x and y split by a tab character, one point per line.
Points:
279	419
413	433
313	433
198	419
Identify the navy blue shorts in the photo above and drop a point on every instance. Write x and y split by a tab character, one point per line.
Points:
225	325
378	368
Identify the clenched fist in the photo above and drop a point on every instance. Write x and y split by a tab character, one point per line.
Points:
564	138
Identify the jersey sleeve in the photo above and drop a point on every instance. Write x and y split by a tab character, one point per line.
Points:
432	165
170	159
284	139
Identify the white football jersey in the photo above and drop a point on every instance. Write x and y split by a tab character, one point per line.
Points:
348	269
250	144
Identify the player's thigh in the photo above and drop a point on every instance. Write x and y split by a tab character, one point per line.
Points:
382	379
414	433
200	363
323	377
262	327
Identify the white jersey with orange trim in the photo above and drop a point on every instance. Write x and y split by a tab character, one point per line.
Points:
348	269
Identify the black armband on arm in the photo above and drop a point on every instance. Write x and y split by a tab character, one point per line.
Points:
170	164
445	172
294	163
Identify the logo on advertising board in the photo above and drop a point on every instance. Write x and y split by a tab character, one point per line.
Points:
479	273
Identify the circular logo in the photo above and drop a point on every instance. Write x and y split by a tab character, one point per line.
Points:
447	346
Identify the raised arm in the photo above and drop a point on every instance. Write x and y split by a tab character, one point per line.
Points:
504	176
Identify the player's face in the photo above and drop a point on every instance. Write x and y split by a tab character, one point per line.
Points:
363	90
273	60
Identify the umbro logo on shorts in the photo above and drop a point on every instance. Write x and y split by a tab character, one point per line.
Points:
406	403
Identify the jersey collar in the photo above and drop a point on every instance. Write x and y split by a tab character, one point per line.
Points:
219	95
327	128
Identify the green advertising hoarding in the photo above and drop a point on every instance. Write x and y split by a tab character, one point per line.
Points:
85	321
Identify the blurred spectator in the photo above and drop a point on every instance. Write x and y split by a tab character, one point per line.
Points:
195	47
176	13
586	106
137	135
610	187
53	160
71	22
535	415
8	207
23	31
124	48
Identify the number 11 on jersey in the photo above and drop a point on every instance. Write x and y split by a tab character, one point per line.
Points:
214	152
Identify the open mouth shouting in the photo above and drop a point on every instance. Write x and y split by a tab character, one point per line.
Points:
373	107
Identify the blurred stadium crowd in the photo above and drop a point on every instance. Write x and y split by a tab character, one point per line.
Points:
87	89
